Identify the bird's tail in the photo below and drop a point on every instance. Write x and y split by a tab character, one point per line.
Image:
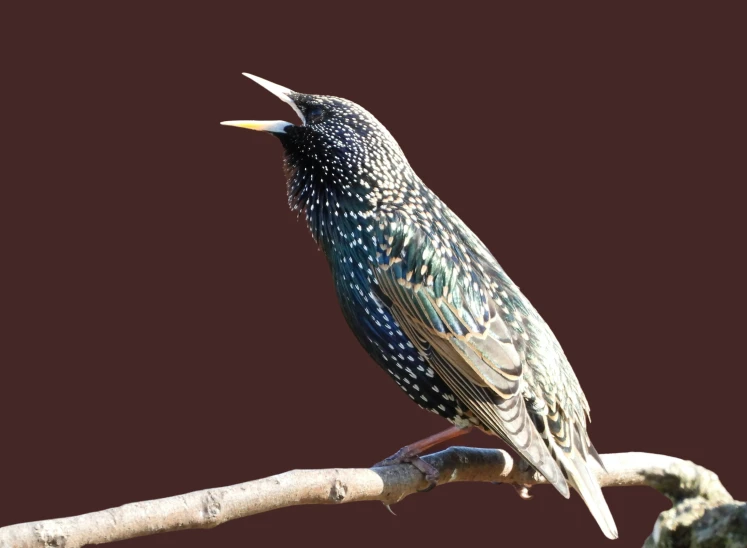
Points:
582	480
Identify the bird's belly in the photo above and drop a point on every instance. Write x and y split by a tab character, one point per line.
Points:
389	346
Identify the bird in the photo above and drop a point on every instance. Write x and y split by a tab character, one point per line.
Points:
426	298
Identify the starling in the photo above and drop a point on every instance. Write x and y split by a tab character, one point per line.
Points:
427	299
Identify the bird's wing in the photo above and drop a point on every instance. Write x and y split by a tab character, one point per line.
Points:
441	300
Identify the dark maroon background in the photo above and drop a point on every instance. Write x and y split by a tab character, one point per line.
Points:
169	326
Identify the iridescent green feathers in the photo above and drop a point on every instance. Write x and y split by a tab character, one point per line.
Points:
489	345
451	315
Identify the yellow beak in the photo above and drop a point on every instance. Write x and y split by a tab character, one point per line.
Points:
271	126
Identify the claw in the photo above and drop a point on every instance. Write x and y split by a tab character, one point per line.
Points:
523	491
407	455
390	509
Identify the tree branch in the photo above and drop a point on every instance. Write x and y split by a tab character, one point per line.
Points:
209	508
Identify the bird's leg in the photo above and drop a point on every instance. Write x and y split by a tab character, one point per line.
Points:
417	448
411	454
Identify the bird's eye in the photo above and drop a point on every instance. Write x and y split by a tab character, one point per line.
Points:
314	114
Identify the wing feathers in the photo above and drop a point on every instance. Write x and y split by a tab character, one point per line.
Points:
507	418
470	331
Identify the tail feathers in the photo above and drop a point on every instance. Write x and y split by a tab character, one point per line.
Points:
516	427
581	479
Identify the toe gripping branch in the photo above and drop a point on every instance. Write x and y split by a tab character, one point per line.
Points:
411	454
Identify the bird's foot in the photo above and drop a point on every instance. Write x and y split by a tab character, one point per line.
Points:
523	489
408	455
411	454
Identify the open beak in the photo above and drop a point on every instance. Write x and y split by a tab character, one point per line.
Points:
271	126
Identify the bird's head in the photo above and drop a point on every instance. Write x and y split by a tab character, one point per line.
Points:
338	158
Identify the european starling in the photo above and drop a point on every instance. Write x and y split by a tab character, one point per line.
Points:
426	298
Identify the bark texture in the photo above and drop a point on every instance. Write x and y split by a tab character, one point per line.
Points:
711	511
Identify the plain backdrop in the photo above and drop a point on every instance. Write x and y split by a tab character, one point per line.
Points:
170	326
